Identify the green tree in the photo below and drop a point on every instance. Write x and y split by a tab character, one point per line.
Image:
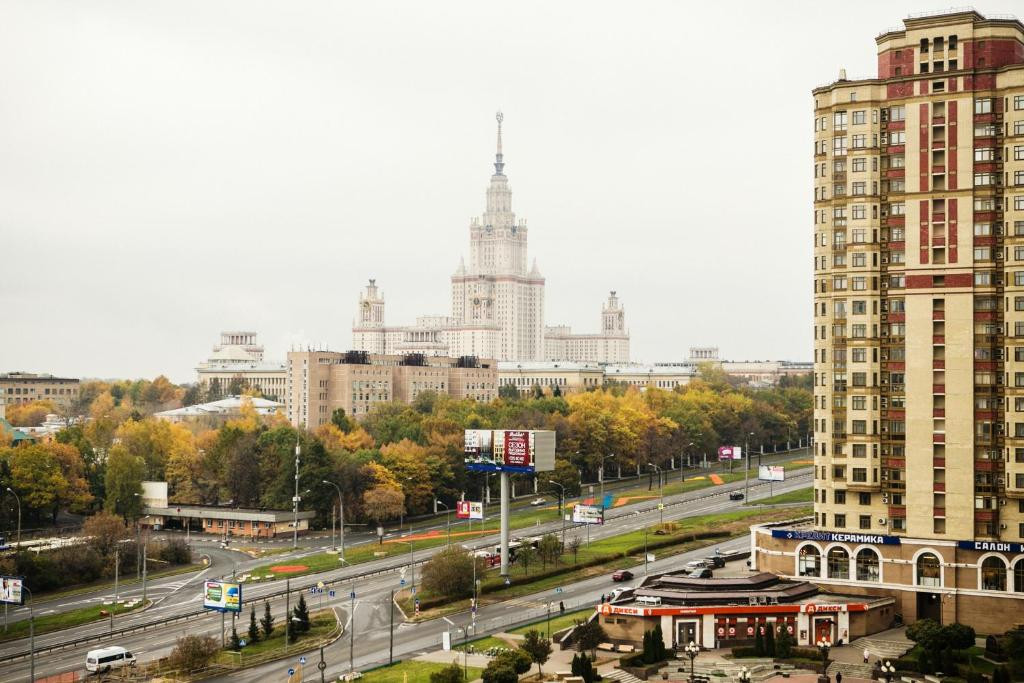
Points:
537	391
784	643
589	634
214	392
123	483
769	641
549	549
450	674
192	653
573	546
450	572
499	672
758	643
254	628
525	555
508	392
234	643
267	622
340	420
518	660
537	647
300	614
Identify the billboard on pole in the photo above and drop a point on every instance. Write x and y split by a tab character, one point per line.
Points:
468	509
730	452
771	473
513	450
10	590
223	596
588	514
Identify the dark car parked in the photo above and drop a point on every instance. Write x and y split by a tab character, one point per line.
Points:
714	561
704	573
622	575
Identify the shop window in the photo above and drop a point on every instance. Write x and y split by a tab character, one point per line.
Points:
809	561
867	565
838	563
993	574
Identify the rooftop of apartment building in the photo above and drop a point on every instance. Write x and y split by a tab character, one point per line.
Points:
34	377
409	359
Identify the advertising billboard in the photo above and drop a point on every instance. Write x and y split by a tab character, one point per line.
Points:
771	473
588	514
730	452
10	590
223	596
468	509
510	450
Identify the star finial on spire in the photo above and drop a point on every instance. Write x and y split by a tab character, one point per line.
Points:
499	165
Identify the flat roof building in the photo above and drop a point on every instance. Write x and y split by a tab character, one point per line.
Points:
25	387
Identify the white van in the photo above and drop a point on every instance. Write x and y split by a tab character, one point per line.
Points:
649	600
108	658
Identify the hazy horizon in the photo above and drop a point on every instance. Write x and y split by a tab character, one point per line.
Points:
174	169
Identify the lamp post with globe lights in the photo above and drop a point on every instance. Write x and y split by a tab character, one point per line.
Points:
824	645
691	650
888	670
744	675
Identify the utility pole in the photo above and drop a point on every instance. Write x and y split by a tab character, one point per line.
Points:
17	498
746	470
561	509
352	626
505	485
31	635
295	499
287	613
145	547
391	638
117	566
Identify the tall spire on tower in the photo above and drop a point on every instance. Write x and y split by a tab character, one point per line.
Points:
499	165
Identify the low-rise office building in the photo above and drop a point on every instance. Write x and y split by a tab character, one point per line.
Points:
568	377
220	411
727	612
25	387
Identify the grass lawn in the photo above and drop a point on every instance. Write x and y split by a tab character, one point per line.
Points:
109	583
321	625
418	672
615	548
56	622
557	623
487	642
799	496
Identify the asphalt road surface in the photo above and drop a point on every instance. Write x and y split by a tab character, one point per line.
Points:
182	595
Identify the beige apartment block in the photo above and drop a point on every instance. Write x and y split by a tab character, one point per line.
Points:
320	382
25	387
918	233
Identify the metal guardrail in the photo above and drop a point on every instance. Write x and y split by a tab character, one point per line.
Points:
340	580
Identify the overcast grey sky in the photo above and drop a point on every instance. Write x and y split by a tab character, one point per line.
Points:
172	169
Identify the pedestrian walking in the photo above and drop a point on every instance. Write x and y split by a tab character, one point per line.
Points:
839	677
561	607
866	655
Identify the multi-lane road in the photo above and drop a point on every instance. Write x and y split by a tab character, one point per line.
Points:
372	582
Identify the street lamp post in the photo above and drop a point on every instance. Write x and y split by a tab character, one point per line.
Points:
295	499
341	518
746	470
824	645
561	507
600	474
692	650
448	518
661	494
412	565
31	635
888	670
17	498
744	675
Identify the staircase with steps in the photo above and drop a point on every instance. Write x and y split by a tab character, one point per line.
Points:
760	669
850	670
621	676
883	648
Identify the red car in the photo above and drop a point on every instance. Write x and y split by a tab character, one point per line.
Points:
622	575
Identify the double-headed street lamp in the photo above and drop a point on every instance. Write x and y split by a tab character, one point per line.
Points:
746	470
600	473
691	650
744	675
888	670
13	493
341	518
412	564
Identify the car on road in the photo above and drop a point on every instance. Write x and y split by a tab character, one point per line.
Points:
695	564
616	592
703	573
736	495
622	575
108	658
537	501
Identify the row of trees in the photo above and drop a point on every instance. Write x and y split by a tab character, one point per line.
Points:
395	461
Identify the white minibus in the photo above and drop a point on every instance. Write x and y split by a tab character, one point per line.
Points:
108	658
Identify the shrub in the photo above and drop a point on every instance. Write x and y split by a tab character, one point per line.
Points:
769	641
175	551
450	674
497	672
449	573
192	653
517	660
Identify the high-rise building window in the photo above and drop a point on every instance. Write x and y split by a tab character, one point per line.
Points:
983	105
